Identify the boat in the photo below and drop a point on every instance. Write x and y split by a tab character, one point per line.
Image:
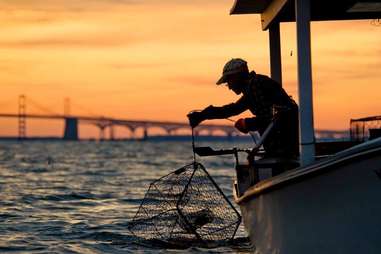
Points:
330	206
324	204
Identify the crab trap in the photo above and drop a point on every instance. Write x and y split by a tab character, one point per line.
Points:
185	206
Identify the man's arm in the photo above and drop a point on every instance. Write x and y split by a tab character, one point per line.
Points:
212	112
226	111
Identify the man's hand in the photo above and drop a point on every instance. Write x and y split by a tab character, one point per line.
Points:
240	125
195	118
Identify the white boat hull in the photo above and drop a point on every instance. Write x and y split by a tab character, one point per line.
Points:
330	207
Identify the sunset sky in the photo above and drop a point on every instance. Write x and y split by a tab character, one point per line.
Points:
158	60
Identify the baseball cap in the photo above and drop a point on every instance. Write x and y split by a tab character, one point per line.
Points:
235	65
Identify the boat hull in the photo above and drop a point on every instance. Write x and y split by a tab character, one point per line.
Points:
332	207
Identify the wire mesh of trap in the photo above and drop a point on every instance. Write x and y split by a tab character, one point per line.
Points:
185	205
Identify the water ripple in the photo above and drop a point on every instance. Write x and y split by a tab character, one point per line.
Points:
78	197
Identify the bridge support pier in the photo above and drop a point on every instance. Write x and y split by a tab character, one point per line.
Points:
71	128
112	133
145	134
101	133
132	134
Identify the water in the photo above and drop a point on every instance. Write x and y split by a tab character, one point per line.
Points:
78	197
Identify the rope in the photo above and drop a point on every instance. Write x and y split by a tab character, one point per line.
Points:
193	148
250	132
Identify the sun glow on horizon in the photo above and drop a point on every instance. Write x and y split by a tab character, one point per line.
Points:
157	61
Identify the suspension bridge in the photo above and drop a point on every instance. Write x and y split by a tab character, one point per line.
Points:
71	123
104	124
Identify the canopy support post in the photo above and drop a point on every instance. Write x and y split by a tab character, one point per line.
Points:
275	52
306	123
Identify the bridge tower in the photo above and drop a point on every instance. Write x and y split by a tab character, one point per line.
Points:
71	128
22	117
71	123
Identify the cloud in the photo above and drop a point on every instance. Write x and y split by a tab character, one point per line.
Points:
61	5
105	23
96	5
196	80
65	42
353	53
10	67
138	65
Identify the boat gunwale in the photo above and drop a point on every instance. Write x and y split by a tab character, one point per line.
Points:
300	174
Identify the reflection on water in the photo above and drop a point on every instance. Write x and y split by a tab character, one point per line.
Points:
78	197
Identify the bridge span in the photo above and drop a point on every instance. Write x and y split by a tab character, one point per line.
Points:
72	121
103	123
70	131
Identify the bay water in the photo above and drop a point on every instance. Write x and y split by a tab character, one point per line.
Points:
78	197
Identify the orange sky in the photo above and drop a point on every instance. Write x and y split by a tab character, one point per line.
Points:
145	59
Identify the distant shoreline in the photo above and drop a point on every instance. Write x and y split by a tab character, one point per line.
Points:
150	138
158	138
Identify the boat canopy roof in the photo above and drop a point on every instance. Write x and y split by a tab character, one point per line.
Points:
303	12
366	119
284	10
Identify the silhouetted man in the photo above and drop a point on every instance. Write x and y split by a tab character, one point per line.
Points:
265	98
